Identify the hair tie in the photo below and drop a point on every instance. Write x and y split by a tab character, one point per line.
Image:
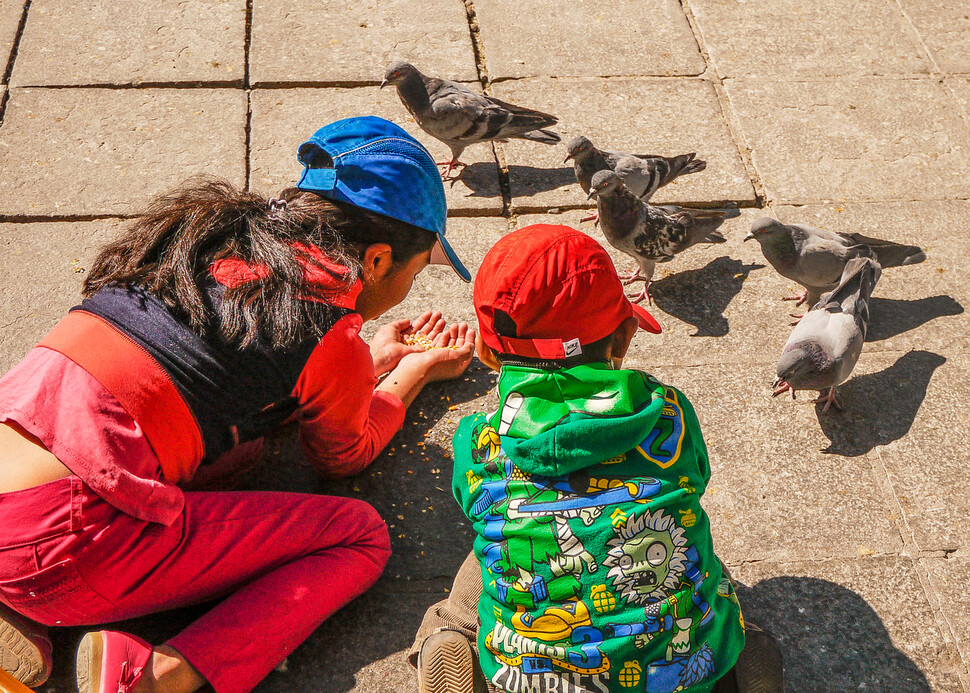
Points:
277	205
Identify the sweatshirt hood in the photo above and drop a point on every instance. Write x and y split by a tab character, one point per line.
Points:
553	423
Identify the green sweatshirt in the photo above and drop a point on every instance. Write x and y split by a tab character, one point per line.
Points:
597	562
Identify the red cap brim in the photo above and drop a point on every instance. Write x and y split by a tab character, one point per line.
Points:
647	322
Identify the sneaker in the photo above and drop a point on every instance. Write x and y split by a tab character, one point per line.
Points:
447	664
111	662
759	668
25	649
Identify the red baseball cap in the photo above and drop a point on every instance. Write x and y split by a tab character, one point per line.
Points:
558	290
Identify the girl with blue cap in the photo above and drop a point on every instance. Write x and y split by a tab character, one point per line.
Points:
218	316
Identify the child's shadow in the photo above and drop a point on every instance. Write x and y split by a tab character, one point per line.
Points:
879	407
893	316
700	296
831	639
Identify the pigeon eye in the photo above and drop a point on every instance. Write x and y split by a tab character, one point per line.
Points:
656	553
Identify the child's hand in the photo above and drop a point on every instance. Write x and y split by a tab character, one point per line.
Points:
388	347
448	358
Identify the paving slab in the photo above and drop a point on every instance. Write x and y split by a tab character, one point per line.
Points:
43	266
282	119
944	574
343	43
662	116
945	28
854	139
961	90
918	306
841	629
159	41
775	494
10	13
587	39
927	466
108	151
791	39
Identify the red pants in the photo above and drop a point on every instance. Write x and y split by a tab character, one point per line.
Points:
286	561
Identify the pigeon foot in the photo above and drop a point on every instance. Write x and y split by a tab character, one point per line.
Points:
829	400
645	294
782	386
595	218
449	167
798	318
634	276
801	298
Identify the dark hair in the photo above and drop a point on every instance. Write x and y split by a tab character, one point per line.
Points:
169	248
592	353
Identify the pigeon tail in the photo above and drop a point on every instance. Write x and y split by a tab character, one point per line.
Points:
682	165
888	253
858	280
544	136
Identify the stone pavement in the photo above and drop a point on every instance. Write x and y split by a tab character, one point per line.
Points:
849	531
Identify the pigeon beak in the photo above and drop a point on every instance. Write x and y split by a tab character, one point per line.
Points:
568	157
592	194
383	83
749	236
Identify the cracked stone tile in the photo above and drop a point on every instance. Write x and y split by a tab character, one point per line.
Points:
961	90
663	116
945	28
917	306
332	42
854	139
587	39
10	14
770	471
109	151
42	266
104	42
792	39
927	465
840	627
282	119
946	576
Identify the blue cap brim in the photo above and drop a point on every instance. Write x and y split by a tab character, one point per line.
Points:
443	254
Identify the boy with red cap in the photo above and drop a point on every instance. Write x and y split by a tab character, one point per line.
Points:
595	559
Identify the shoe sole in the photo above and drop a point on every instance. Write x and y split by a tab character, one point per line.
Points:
89	663
20	657
759	668
448	666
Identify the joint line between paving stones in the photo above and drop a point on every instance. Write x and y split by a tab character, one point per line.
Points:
247	43
478	49
13	56
727	111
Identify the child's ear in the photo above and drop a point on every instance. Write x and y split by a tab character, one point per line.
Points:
486	354
377	261
622	336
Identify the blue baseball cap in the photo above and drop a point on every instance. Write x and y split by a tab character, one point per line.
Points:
372	163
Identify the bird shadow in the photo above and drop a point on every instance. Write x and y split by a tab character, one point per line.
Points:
879	407
529	180
893	316
700	296
481	178
831	639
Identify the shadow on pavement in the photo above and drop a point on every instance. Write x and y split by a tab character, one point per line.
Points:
879	407
831	639
529	180
700	296
480	178
893	316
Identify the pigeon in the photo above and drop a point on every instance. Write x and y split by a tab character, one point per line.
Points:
816	258
458	116
648	233
825	345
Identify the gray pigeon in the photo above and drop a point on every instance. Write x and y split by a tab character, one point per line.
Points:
458	116
825	345
642	174
816	258
647	233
